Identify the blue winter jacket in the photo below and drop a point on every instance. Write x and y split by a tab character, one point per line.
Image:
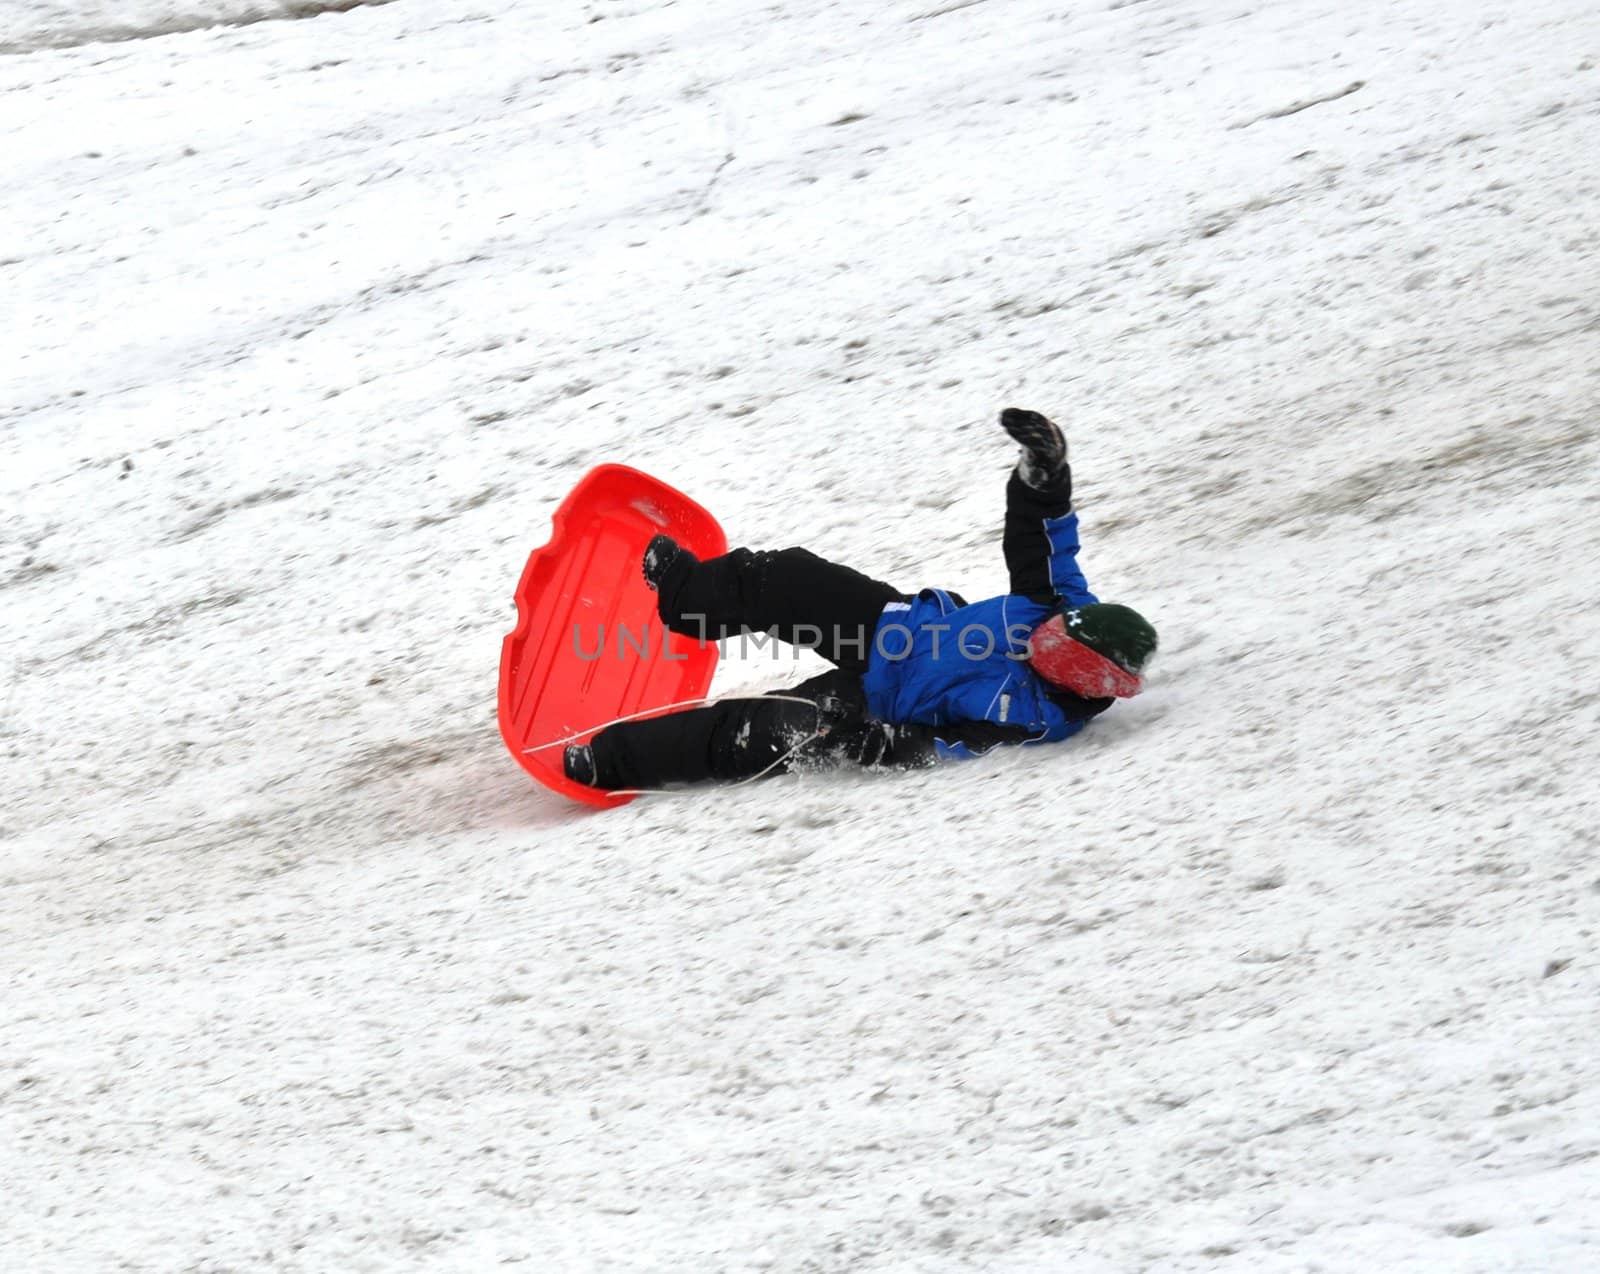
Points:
938	661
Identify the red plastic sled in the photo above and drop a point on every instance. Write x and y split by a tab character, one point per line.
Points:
588	647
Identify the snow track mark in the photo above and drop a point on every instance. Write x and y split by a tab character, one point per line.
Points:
1522	454
51	27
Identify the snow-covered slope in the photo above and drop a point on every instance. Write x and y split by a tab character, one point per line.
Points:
1287	965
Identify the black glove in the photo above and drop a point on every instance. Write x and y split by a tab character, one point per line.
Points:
1044	448
909	746
846	731
867	743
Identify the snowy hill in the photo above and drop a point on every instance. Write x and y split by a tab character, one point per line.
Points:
1287	965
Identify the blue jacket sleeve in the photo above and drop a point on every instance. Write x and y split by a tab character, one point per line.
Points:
968	739
965	740
1066	576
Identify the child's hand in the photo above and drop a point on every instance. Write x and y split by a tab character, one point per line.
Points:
868	743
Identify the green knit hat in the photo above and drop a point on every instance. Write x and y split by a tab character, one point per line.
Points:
1120	633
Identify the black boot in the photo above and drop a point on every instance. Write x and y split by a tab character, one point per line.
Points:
577	762
664	556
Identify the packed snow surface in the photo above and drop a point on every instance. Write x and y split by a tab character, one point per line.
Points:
312	314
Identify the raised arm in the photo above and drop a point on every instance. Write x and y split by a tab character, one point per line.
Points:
1041	534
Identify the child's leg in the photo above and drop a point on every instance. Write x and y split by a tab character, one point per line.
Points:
802	598
735	739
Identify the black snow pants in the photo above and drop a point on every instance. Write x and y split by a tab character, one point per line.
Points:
791	595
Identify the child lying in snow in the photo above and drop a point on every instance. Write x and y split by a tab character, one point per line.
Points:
914	678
